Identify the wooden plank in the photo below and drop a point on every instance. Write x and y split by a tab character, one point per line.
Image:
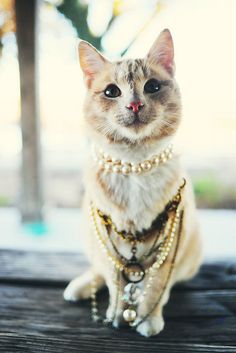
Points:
35	344
40	266
200	316
31	198
207	304
61	267
38	319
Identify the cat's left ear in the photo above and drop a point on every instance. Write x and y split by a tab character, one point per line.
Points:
162	52
91	61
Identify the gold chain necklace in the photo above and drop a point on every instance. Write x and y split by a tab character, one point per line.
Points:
113	165
132	293
158	223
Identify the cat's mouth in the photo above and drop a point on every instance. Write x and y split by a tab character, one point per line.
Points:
135	122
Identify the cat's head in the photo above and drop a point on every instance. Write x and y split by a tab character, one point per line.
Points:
132	101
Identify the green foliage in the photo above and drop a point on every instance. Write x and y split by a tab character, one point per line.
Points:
77	12
4	202
207	187
211	191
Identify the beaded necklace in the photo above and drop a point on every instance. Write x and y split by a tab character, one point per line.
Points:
132	269
113	165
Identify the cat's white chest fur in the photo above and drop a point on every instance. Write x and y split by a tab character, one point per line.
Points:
139	198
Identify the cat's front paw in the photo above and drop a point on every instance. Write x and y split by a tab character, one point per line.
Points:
76	290
151	326
116	320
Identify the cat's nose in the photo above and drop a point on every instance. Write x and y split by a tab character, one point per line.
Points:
135	106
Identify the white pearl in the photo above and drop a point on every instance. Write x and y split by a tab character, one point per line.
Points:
146	165
125	170
163	155
156	265
116	169
129	315
136	169
101	163
108	167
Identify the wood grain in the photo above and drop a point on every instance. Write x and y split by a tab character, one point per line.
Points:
59	268
200	316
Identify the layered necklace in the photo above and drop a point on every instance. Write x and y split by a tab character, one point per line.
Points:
167	226
110	164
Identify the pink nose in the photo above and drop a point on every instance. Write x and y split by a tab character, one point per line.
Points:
135	106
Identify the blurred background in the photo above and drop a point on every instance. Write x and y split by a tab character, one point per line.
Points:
42	142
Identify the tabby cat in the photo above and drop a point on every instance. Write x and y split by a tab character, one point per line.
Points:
139	214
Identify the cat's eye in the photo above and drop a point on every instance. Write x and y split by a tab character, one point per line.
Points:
112	91
151	86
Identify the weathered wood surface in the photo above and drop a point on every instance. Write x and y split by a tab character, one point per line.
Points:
47	267
200	316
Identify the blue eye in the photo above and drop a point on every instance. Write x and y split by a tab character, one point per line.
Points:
151	86
112	91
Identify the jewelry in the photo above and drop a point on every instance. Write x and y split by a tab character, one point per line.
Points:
158	223
160	258
136	324
121	266
132	294
112	165
94	307
132	270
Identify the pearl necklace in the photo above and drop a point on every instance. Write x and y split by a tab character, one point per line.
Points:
132	293
160	257
113	165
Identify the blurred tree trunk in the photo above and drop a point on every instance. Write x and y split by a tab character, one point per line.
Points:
31	197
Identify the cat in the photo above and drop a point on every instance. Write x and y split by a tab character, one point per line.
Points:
132	111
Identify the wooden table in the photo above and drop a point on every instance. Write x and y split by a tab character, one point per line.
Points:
200	316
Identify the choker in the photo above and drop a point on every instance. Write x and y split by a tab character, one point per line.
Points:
113	165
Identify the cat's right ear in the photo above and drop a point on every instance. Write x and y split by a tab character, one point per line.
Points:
162	52
91	61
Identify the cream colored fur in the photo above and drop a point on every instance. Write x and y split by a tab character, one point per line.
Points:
133	202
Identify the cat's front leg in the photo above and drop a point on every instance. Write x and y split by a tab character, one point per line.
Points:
153	325
114	313
80	287
154	322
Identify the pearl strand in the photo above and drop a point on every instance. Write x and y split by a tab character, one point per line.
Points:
94	308
162	257
117	166
119	266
